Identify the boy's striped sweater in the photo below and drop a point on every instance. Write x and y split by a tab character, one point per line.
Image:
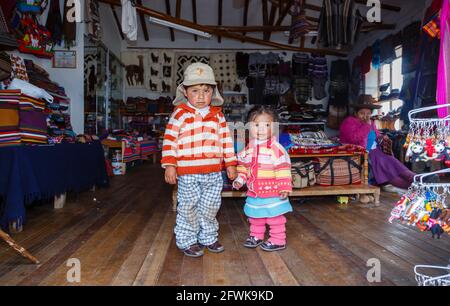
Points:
197	145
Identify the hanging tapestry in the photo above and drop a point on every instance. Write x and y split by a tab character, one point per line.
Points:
161	71
136	64
224	67
184	60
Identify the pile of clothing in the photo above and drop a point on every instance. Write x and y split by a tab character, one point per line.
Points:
32	120
9	117
311	140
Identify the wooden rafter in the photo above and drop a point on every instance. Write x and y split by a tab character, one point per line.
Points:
187	23
143	23
265	16
219	22
194	14
244	23
365	28
383	6
273	11
172	33
283	13
119	27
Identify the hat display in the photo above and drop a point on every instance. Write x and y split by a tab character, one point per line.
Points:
366	101
195	74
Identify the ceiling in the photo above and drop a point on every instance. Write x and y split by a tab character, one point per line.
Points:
233	15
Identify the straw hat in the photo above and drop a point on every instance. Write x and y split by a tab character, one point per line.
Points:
195	74
365	101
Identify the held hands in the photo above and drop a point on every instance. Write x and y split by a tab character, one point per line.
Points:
284	195
171	175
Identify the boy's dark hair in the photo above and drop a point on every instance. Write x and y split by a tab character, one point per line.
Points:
260	110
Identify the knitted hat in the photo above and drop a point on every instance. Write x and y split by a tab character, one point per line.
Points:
196	74
366	101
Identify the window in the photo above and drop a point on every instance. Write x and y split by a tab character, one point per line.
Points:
387	74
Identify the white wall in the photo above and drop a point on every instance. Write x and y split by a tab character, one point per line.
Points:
70	79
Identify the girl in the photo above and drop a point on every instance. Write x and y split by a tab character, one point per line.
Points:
265	167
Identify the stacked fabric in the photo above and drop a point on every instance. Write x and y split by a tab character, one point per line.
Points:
9	117
131	153
147	148
343	149
32	123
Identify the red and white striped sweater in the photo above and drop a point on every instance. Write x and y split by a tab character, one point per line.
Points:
197	145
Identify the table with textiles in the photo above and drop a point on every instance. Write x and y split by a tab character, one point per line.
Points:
29	173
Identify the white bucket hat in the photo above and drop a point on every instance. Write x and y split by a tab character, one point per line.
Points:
195	74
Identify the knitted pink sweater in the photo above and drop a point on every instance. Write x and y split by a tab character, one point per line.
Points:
355	131
265	168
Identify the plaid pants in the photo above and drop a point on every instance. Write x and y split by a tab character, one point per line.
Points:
199	199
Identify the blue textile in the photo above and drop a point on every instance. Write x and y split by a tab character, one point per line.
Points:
29	173
266	207
371	140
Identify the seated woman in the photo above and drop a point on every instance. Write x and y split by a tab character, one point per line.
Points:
360	130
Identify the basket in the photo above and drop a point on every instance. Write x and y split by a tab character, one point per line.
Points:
426	280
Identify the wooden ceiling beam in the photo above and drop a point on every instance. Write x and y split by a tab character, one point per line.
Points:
244	22
219	23
117	21
172	33
194	15
273	11
265	15
187	23
387	7
143	23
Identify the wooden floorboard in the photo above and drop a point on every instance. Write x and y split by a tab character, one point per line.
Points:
125	237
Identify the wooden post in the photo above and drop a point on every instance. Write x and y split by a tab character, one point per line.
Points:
366	168
17	247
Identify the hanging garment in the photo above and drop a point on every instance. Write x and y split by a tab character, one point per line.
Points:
376	54
443	82
54	21
410	47
69	29
129	20
339	83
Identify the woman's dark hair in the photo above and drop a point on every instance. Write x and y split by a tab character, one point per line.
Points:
260	110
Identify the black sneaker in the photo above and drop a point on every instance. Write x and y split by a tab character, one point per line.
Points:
193	251
270	247
216	247
252	242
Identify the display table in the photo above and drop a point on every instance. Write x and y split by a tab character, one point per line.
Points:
127	154
29	173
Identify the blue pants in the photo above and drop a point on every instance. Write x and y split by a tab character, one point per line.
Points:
199	199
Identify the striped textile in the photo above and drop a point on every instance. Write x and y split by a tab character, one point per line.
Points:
32	123
197	145
147	148
9	117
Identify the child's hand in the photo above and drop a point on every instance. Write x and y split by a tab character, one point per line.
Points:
284	195
231	173
171	175
237	185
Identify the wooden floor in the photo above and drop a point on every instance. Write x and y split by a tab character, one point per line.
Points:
125	237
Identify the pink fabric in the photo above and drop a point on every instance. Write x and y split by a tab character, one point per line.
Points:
277	231
355	131
275	161
443	82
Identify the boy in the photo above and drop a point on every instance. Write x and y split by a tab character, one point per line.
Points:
196	143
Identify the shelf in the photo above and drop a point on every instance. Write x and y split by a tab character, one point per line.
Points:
234	93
